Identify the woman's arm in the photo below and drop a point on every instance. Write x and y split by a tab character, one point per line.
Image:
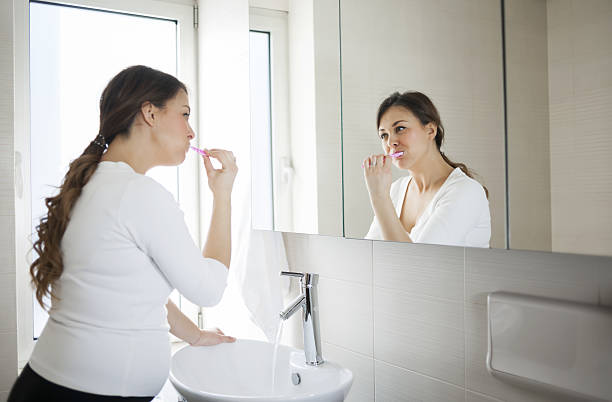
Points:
390	224
218	242
220	181
183	328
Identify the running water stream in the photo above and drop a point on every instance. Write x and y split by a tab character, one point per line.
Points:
279	333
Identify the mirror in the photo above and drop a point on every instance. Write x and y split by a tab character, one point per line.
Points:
557	101
559	97
514	82
295	117
450	51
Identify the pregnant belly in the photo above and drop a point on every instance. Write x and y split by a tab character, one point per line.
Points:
99	361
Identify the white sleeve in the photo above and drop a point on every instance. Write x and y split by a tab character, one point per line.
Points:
157	225
455	214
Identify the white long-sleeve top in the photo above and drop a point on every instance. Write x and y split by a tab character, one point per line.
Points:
458	215
125	249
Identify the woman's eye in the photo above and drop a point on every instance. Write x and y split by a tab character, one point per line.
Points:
186	115
400	128
383	136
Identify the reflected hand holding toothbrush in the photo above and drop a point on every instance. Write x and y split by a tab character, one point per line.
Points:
393	155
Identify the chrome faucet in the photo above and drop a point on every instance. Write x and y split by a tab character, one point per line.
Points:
308	300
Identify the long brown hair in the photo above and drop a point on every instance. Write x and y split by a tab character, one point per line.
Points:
424	110
120	103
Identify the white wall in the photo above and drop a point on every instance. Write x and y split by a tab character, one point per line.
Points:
410	319
8	294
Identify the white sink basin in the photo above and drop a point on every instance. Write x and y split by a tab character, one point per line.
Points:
242	371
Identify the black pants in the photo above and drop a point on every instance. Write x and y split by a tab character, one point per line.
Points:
30	387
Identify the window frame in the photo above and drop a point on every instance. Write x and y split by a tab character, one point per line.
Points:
275	23
188	173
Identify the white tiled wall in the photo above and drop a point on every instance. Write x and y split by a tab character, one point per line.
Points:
410	319
8	324
362	367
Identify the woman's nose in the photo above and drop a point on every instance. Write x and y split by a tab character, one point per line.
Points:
393	140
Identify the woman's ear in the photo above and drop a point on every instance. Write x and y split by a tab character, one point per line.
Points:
148	111
432	130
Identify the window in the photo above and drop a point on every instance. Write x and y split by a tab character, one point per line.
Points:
74	52
272	171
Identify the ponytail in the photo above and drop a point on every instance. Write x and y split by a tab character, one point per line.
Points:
48	267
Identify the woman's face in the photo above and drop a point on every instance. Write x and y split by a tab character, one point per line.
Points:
400	130
173	131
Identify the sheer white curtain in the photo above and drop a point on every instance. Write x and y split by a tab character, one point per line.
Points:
252	301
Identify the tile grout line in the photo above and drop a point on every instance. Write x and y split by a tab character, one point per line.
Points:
418	373
493	398
347	350
373	318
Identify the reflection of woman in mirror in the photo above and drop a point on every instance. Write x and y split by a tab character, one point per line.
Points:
438	201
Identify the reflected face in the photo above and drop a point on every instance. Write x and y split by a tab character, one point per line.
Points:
173	131
400	130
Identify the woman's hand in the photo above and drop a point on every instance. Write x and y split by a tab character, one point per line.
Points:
377	173
214	337
221	181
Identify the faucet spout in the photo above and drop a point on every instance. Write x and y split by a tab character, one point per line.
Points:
293	307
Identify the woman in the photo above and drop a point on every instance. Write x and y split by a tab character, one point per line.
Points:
114	244
439	201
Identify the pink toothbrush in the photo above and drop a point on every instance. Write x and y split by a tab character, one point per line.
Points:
393	155
200	151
